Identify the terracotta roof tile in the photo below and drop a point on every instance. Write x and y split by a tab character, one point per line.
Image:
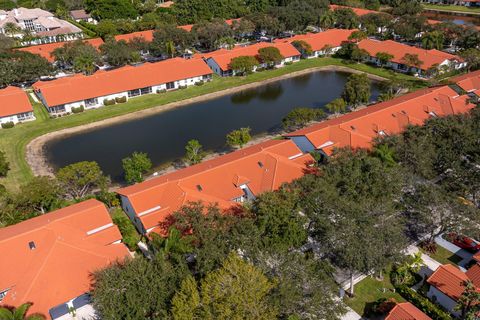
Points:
45	50
474	274
398	50
80	87
263	167
358	11
331	37
69	244
13	101
449	280
406	311
358	129
223	57
469	82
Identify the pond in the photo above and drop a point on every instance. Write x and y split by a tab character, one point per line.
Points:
457	18
164	135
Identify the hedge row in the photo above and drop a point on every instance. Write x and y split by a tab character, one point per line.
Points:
422	303
8	125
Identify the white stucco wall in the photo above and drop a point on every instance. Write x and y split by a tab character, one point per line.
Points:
14	118
442	299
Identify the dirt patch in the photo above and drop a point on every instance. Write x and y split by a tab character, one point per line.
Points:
35	150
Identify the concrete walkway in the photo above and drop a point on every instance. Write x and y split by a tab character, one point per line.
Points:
351	315
430	264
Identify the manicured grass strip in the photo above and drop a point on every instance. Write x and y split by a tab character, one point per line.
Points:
370	290
444	256
13	141
452	8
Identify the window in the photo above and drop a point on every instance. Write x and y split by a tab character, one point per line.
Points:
24	116
3	294
146	90
57	109
29	25
170	85
91	102
133	93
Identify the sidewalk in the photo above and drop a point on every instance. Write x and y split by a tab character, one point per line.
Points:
431	264
351	315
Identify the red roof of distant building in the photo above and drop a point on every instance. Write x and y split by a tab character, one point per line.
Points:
48	260
145	35
223	57
45	50
262	167
331	37
449	280
358	11
13	101
80	87
469	82
166	4
399	50
358	129
406	311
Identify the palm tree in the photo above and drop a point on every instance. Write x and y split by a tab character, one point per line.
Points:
412	60
433	40
170	48
327	19
385	154
19	313
85	64
11	29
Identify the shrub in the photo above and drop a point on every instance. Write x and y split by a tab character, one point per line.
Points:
8	125
109	102
182	87
161	90
260	69
383	306
421	302
199	83
121	99
127	229
288	63
78	109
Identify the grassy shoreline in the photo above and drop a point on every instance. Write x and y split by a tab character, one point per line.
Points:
452	8
14	141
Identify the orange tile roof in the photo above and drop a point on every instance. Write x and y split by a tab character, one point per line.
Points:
223	57
358	129
449	280
406	311
358	11
398	50
45	50
468	82
145	35
332	37
474	274
13	101
70	244
265	167
80	87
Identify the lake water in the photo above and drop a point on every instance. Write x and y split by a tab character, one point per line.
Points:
457	18
164	135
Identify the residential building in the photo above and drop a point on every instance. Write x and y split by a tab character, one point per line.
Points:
61	95
46	50
48	260
40	23
326	42
15	106
447	284
469	82
359	128
406	311
82	16
219	61
431	60
227	181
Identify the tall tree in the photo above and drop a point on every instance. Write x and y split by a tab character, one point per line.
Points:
238	290
238	138
468	302
243	65
80	179
270	56
136	166
337	106
433	40
4	164
300	117
111	9
41	194
119	53
193	152
357	89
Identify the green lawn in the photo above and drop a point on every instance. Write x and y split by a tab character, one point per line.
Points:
452	8
13	141
444	256
370	290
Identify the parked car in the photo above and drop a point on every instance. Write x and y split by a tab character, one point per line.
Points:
463	242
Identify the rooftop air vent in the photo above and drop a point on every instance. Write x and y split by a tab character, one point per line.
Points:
260	164
199	187
32	245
